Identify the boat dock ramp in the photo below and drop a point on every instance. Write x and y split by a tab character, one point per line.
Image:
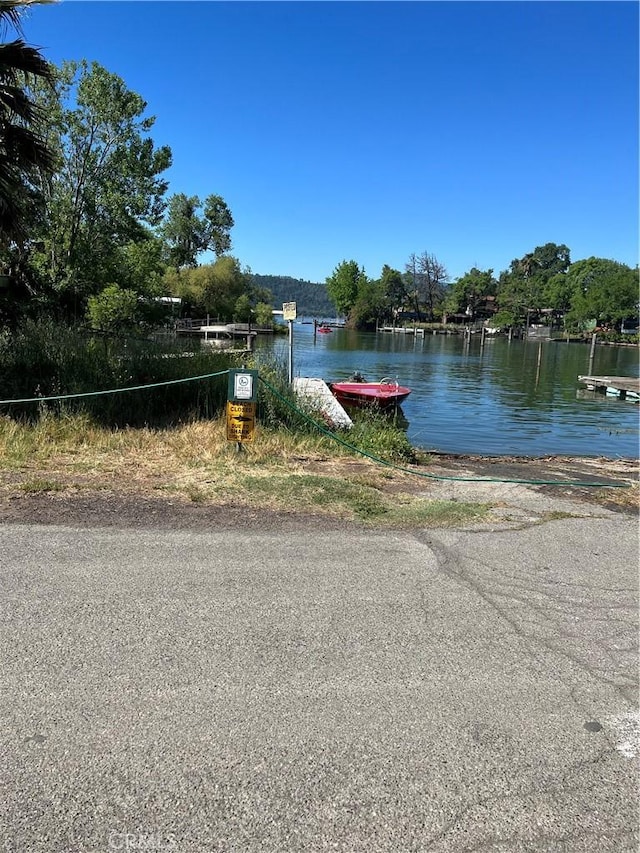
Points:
220	336
624	387
318	394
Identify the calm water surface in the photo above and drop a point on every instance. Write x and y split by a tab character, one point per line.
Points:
518	397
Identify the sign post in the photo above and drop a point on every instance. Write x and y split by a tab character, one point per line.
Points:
289	314
241	405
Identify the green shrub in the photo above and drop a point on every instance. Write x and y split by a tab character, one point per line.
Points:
47	359
114	309
377	434
278	406
618	338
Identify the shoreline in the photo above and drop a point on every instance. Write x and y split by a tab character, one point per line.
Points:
509	485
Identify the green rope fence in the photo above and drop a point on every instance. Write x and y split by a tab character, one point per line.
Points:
114	390
425	474
323	430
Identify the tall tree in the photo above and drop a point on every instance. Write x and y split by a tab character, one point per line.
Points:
108	185
426	280
210	288
188	232
522	289
469	290
218	224
602	290
344	284
370	306
394	290
23	150
183	230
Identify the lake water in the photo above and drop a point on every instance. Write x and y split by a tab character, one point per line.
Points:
508	397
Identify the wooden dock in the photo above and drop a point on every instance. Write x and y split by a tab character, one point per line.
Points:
403	330
625	387
317	392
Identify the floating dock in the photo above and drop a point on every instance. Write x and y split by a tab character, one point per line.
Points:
625	387
317	392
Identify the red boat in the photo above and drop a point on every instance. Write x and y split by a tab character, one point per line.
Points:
358	392
324	330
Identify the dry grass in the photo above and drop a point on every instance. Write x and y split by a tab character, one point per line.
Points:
625	498
195	463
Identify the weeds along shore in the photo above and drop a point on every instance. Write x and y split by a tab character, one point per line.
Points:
284	470
167	440
168	436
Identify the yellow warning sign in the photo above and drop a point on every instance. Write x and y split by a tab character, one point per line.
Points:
241	421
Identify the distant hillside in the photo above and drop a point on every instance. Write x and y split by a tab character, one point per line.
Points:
310	297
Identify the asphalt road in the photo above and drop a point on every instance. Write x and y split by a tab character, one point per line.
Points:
238	690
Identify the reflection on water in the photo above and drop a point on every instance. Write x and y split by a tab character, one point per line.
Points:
506	397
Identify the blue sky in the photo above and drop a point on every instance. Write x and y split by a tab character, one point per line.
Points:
370	130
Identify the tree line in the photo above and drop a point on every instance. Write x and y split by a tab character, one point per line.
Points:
88	232
542	286
311	298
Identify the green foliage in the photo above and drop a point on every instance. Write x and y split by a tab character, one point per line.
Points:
370	306
618	338
278	407
46	358
470	290
376	434
602	290
209	289
504	318
263	315
523	289
113	310
188	233
183	230
242	309
394	289
344	285
378	302
24	153
219	222
559	292
107	184
516	295
141	266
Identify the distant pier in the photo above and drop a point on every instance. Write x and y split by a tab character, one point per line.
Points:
403	330
625	387
221	336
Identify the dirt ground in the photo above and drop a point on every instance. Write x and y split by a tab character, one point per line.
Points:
446	477
570	471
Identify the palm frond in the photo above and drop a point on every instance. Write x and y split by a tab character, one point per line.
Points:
11	11
18	58
23	153
14	102
22	147
10	14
